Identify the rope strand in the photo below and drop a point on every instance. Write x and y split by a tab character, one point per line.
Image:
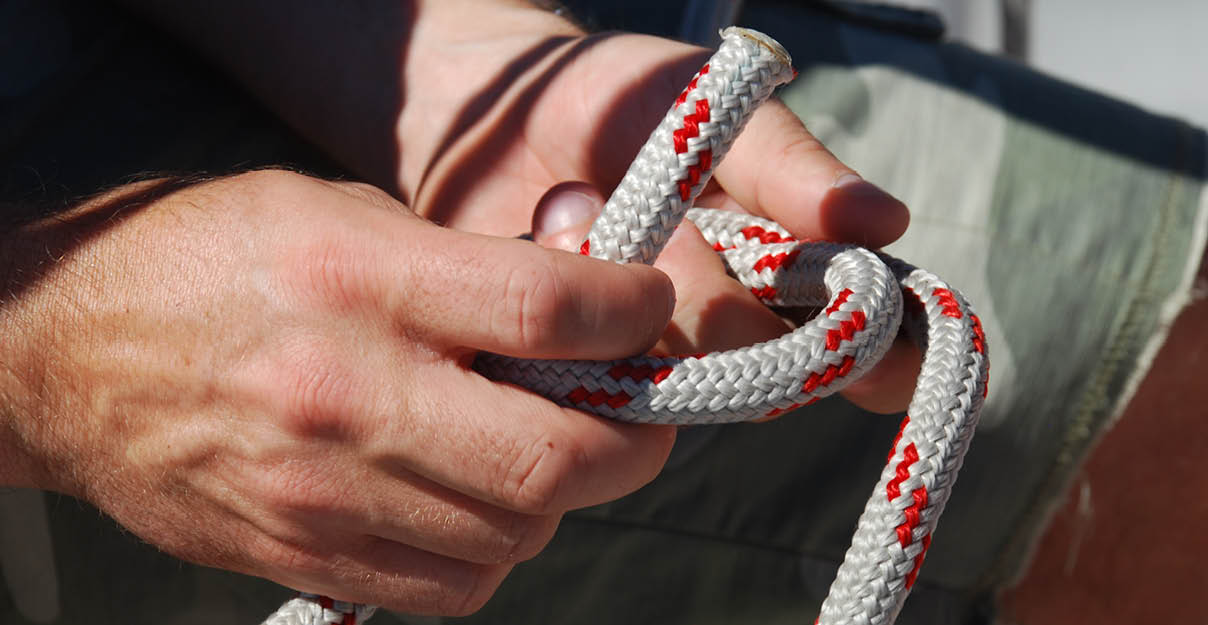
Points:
862	294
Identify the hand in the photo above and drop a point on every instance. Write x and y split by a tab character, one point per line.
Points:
471	110
577	111
270	374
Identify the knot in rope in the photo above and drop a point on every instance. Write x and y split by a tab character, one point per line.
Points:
861	294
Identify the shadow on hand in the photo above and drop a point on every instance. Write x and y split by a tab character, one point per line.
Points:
496	119
35	239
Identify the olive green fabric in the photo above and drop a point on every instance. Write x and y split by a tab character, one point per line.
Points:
1067	218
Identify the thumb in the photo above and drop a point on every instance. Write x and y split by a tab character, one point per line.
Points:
565	214
778	170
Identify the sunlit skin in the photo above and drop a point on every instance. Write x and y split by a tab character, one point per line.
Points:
270	373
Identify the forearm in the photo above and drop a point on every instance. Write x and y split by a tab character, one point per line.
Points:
355	77
17	468
51	259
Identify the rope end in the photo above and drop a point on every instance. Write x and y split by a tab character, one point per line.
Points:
772	45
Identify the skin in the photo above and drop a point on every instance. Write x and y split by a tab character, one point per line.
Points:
302	407
270	373
481	108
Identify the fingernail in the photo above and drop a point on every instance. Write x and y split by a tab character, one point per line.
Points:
853	184
564	211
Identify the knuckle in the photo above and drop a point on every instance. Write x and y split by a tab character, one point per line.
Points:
329	270
538	475
282	559
369	194
802	147
270	175
299	490
269	182
471	592
315	391
798	142
526	536
534	306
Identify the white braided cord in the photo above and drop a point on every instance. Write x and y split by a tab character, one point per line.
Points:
862	293
308	609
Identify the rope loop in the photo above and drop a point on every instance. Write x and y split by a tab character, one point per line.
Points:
864	296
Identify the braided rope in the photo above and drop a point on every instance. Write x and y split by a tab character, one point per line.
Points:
863	294
308	609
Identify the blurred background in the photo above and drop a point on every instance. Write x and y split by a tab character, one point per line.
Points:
1152	54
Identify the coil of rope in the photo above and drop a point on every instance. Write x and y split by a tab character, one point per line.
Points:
862	294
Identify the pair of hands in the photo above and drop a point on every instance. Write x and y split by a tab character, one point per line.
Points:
271	373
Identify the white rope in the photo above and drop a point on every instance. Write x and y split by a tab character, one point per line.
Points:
308	609
862	293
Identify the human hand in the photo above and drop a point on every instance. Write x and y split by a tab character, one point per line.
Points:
270	374
546	107
471	110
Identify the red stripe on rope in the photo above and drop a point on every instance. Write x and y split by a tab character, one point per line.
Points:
826	377
979	335
757	232
599	397
840	300
947	303
913	512
691	86
680	138
691	129
910	456
846	330
893	449
764	293
776	261
637	374
918	562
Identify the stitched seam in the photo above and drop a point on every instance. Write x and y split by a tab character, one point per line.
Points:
1093	408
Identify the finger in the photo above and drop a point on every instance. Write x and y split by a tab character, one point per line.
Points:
515	298
443	521
366	193
713	311
565	214
888	387
389	502
713	196
380	572
510	448
778	170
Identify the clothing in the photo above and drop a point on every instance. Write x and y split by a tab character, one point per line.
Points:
1070	220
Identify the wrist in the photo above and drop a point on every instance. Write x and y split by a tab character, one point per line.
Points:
21	326
48	285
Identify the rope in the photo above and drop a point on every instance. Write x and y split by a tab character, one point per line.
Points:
865	295
308	609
